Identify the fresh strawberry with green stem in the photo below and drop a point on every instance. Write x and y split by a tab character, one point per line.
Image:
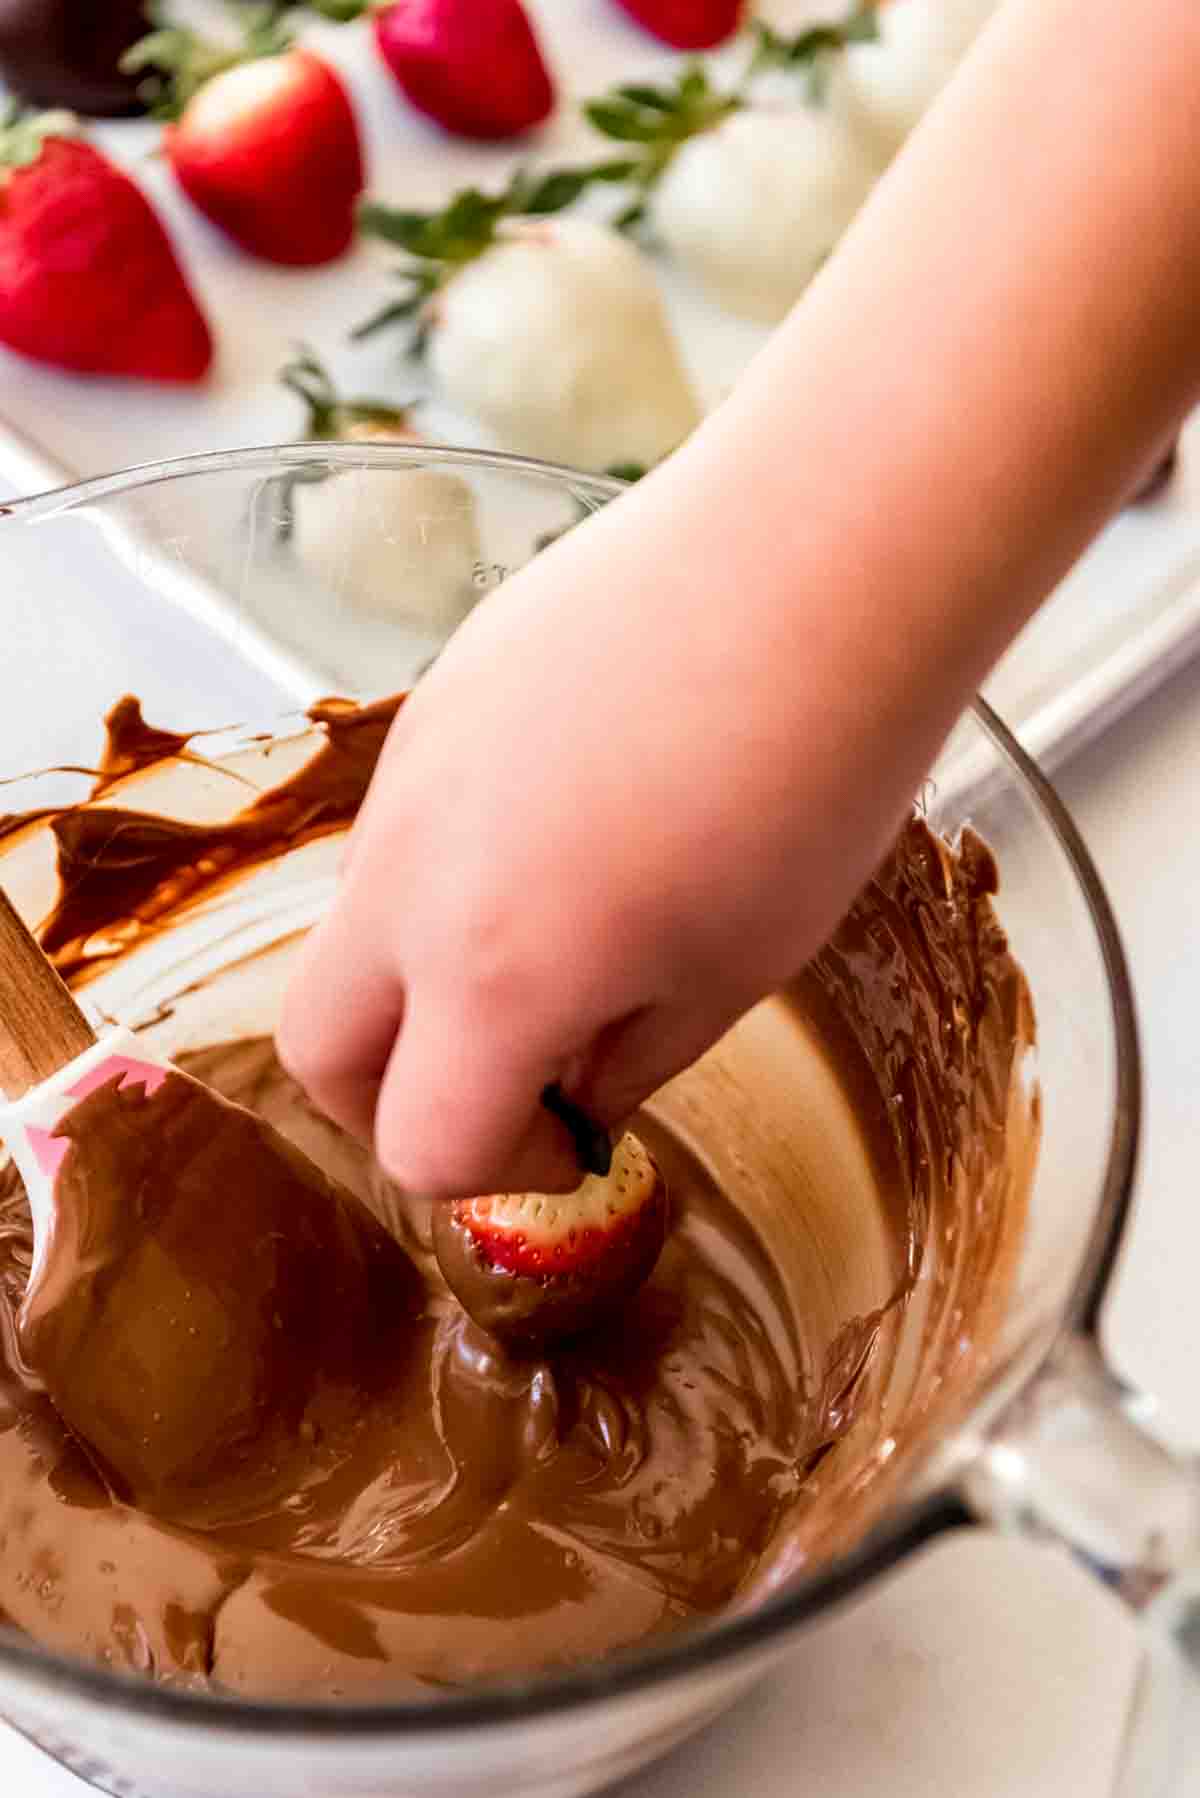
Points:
264	140
475	66
88	278
687	24
533	1268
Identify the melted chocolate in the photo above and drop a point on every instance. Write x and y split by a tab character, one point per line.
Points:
212	1313
479	1514
741	1418
121	871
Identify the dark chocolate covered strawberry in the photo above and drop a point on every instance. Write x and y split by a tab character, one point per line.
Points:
68	53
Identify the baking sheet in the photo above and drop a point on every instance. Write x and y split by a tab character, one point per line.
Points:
1124	620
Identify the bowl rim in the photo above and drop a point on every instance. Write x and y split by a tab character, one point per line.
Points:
277	458
727	1639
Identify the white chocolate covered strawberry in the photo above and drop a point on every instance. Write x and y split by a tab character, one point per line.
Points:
401	544
548	330
890	83
749	196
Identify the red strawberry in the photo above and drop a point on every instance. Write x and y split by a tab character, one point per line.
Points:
473	65
533	1269
265	143
688	24
266	146
88	278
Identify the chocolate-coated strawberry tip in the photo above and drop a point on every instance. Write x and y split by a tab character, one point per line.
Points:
535	1270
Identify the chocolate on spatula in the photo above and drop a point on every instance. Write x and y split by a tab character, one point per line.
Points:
208	1311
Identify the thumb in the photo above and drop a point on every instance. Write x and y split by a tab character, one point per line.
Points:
460	1109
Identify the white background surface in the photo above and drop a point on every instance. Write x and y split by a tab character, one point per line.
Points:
987	1669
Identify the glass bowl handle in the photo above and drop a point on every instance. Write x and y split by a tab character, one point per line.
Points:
1074	1461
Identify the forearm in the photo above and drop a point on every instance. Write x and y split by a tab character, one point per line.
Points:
646	777
977	377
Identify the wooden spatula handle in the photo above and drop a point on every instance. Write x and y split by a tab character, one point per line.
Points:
41	1027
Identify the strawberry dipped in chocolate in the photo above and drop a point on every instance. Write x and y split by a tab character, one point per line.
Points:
68	53
262	138
534	1269
88	278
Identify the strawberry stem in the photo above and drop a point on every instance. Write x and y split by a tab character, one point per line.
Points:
23	134
440	243
178	61
810	50
593	1146
338	12
658	120
329	414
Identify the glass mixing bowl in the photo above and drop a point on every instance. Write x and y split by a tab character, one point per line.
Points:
234	591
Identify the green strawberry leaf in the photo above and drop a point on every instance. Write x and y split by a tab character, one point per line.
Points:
329	414
23	133
339	12
439	243
659	119
178	61
626	120
658	99
810	51
411	305
307	378
562	187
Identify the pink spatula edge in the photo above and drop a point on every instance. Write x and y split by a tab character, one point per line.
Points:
50	1057
202	1300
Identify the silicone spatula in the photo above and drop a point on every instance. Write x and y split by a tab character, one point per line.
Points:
203	1302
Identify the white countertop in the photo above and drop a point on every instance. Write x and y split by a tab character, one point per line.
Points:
897	1696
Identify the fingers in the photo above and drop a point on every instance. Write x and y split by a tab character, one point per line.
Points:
460	1109
635	1056
340	1017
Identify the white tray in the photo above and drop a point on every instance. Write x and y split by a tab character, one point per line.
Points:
1128	615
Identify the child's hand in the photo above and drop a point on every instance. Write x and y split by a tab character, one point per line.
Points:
589	846
647	777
